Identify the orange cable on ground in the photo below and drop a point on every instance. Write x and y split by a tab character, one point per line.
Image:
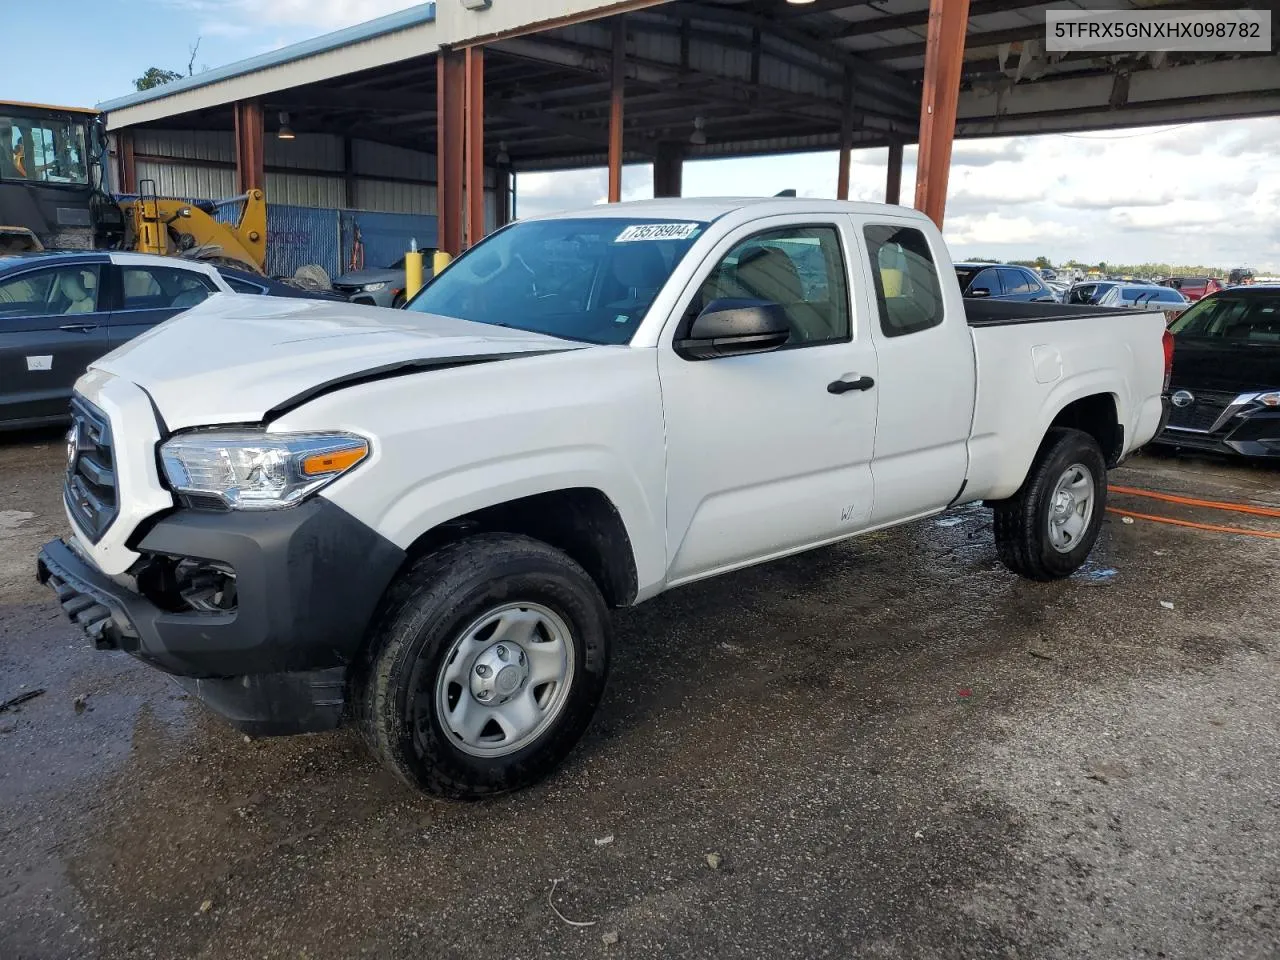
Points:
1213	527
1192	502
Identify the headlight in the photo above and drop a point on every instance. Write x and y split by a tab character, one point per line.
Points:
253	470
1271	399
374	287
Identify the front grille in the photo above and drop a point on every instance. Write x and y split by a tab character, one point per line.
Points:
345	290
1202	413
90	487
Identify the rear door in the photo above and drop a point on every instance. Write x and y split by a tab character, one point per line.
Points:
51	329
148	294
926	373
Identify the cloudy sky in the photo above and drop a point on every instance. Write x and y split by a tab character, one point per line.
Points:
1194	194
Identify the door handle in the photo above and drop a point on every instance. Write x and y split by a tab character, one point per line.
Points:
79	327
844	386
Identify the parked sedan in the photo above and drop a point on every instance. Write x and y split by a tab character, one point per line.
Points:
1089	291
1148	296
999	281
1226	374
242	281
377	287
61	311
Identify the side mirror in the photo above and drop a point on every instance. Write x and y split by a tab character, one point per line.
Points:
730	328
979	292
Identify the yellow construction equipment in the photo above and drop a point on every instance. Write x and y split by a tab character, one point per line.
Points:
176	228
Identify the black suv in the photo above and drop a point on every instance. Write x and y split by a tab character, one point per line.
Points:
1225	388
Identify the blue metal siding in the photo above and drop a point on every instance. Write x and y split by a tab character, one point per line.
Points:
385	236
297	236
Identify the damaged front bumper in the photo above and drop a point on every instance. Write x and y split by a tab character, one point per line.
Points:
272	653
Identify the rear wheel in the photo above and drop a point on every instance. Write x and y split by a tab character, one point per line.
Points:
486	666
1047	529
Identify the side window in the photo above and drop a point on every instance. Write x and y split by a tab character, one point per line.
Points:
1034	283
799	268
907	289
54	292
162	288
988	280
243	286
1015	282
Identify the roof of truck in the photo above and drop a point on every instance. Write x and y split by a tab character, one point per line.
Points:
712	208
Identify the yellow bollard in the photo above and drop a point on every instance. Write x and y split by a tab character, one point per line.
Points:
412	272
441	260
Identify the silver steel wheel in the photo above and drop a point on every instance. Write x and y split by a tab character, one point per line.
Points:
1071	507
505	679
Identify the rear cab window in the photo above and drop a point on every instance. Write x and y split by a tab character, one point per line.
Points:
908	294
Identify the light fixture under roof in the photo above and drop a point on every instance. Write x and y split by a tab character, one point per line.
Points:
699	136
503	159
285	132
799	3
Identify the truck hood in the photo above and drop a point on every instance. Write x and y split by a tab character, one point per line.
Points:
237	359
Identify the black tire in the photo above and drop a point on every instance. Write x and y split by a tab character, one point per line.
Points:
1022	521
425	611
397	301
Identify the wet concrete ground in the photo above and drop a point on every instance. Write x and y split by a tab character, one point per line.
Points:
887	749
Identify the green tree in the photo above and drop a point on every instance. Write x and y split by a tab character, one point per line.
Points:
155	77
1042	262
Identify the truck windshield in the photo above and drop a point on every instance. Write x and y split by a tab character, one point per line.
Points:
44	149
1244	319
581	279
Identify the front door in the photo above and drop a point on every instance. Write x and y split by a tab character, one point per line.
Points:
51	329
770	453
149	295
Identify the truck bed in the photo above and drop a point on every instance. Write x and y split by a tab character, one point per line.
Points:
981	312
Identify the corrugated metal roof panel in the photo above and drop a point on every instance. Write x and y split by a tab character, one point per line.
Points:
312	151
194	182
382	160
304	190
391	197
186	144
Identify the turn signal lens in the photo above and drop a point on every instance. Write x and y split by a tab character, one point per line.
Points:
334	461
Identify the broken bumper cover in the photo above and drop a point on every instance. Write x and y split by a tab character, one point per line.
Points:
308	581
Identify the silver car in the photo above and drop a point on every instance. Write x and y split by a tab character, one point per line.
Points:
1144	296
377	287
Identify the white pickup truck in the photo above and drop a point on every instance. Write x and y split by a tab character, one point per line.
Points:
420	518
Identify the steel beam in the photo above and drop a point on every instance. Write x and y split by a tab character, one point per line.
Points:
250	162
668	169
893	177
944	59
474	66
617	92
450	147
846	140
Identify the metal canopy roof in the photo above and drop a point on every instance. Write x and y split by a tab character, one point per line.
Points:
765	76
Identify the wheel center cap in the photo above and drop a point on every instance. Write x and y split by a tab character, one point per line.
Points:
508	680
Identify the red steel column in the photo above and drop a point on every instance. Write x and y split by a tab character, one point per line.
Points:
846	140
893	180
450	148
943	59
250	161
615	109
475	145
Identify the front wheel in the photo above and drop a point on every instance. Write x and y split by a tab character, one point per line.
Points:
486	666
1047	529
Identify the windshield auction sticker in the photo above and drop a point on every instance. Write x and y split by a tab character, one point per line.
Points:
657	231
